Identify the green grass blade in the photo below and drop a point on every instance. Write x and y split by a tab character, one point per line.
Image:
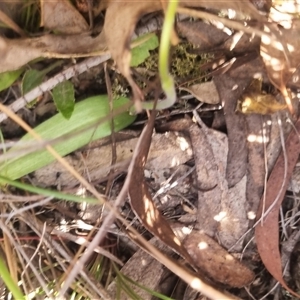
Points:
11	285
46	192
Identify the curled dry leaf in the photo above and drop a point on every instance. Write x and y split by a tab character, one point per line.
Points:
141	200
62	17
115	36
118	32
16	53
216	262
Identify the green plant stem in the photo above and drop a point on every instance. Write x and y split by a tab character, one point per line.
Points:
167	80
11	285
164	50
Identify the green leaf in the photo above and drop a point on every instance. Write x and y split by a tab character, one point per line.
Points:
31	79
8	78
64	98
141	52
86	114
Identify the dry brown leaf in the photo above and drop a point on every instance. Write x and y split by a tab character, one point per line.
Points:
221	211
267	234
205	92
230	87
144	269
61	16
18	52
203	35
216	262
167	150
209	194
141	201
204	159
207	37
235	123
118	32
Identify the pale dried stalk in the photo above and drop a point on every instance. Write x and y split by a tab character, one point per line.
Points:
20	251
37	226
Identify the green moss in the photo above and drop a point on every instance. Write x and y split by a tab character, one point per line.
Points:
184	64
151	63
118	90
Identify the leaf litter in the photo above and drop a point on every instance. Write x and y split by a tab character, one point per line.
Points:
231	170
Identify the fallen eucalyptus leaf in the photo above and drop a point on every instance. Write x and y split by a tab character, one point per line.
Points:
62	17
140	198
203	35
205	92
145	270
215	261
236	126
221	210
267	232
166	151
